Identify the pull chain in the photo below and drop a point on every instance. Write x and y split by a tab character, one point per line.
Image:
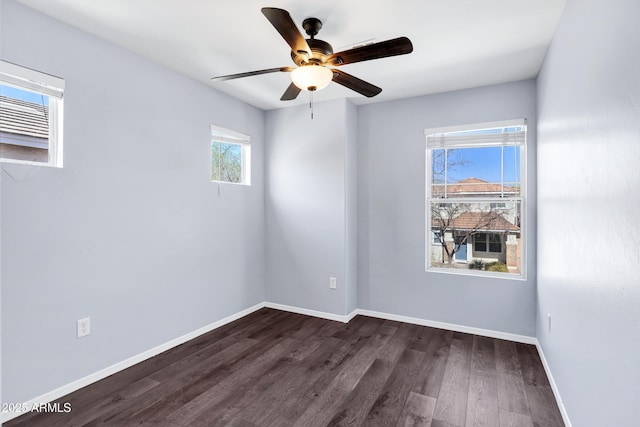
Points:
311	103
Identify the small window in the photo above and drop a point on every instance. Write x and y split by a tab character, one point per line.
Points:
482	241
30	116
435	237
230	156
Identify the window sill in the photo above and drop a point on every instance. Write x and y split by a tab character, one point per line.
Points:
241	184
477	273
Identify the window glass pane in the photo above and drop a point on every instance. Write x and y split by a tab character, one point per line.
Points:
475	172
481	163
226	162
495	243
24	125
512	167
481	224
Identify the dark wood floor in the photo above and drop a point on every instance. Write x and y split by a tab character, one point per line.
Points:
273	368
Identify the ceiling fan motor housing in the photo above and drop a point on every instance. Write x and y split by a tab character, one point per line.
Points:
320	49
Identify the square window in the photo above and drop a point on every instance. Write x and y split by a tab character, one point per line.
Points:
230	156
30	116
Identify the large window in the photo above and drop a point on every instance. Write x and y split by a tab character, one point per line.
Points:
230	156
475	198
30	116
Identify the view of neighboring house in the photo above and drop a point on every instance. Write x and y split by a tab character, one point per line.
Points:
24	130
475	233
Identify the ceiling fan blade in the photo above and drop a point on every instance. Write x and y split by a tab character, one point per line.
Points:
393	47
291	93
282	22
251	73
354	83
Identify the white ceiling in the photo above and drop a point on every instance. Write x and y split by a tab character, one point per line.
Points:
457	43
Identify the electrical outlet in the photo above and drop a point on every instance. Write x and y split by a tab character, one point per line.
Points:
549	321
83	327
332	282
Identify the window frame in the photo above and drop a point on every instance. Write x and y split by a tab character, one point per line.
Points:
227	136
430	146
33	81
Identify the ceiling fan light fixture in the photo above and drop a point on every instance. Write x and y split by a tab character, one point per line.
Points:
311	77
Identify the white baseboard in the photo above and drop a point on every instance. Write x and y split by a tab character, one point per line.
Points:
450	327
554	387
313	313
110	370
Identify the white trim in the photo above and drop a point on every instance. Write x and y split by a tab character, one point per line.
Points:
117	367
554	387
477	273
314	313
450	326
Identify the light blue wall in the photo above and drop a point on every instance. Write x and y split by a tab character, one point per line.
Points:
130	232
589	211
307	207
391	212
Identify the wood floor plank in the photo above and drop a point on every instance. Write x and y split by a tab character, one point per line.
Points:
542	403
420	338
533	372
273	368
179	383
355	406
234	383
509	419
256	403
429	378
388	406
229	407
482	402
320	376
451	406
321	410
417	411
511	392
398	342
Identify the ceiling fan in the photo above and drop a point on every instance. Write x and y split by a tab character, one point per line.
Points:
313	57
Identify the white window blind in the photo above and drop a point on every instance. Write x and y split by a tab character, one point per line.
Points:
510	132
32	80
221	134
